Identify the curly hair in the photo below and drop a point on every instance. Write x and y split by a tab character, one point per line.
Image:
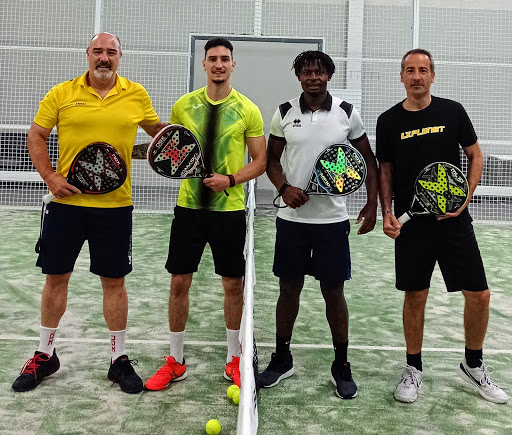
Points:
312	57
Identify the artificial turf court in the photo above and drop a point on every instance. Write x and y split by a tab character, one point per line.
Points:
79	399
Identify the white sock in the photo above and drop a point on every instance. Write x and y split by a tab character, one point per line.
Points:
47	340
233	337
176	345
117	343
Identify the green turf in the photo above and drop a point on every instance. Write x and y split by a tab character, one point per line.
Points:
79	398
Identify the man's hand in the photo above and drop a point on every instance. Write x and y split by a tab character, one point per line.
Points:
60	187
391	226
368	215
294	197
217	182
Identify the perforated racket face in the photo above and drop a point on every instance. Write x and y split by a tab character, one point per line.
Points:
98	168
339	170
175	153
441	188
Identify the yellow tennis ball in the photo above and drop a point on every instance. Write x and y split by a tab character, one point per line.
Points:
213	427
231	390
236	396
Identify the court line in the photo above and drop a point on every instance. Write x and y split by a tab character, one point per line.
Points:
271	345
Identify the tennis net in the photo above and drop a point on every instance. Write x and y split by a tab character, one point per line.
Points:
248	407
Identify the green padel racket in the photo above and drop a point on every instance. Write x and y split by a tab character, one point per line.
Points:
339	170
440	188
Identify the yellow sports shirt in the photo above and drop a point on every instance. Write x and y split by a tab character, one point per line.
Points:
82	117
221	127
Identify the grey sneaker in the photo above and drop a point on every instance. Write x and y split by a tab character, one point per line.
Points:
480	378
407	390
276	371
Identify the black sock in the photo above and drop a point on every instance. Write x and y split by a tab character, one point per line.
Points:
340	352
473	357
414	360
283	347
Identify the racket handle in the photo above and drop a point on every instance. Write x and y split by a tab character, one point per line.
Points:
404	218
48	198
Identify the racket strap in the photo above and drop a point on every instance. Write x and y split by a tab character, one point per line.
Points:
38	243
281	191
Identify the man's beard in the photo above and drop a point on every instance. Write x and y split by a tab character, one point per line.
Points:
103	74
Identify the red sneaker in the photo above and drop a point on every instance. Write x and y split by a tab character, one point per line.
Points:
232	371
171	371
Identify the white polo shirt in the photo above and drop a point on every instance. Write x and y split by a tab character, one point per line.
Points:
307	134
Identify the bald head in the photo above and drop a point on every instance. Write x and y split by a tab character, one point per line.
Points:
103	55
107	35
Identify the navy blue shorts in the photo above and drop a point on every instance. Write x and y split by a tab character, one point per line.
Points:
192	229
451	243
319	250
107	230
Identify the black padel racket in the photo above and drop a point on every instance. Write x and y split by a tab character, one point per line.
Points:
96	169
175	152
440	188
339	170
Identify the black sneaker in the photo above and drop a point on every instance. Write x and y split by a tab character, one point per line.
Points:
276	370
121	371
341	376
35	370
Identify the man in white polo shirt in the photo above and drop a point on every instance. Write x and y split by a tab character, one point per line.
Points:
312	232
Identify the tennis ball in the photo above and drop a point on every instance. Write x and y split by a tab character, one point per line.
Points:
236	396
213	427
231	390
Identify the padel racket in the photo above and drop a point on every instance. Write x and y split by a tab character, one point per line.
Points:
440	188
339	170
98	168
175	152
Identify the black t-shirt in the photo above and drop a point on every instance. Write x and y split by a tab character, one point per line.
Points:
410	140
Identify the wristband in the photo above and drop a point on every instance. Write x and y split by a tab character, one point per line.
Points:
231	180
386	212
283	188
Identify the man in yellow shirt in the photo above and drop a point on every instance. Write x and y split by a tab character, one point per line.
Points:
97	106
225	123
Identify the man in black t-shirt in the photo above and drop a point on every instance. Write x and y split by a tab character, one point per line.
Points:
420	130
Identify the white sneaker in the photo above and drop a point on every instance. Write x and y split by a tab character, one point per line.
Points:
480	378
407	389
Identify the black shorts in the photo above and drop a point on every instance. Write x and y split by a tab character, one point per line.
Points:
319	250
423	241
107	230
192	229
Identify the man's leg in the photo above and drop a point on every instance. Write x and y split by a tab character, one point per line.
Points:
233	306
287	309
336	311
413	322
476	317
174	369
115	312
45	361
472	368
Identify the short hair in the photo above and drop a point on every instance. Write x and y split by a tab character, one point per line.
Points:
313	57
216	42
418	51
107	33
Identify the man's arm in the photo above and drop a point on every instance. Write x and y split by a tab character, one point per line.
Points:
292	196
38	150
153	129
390	225
256	167
369	211
476	164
